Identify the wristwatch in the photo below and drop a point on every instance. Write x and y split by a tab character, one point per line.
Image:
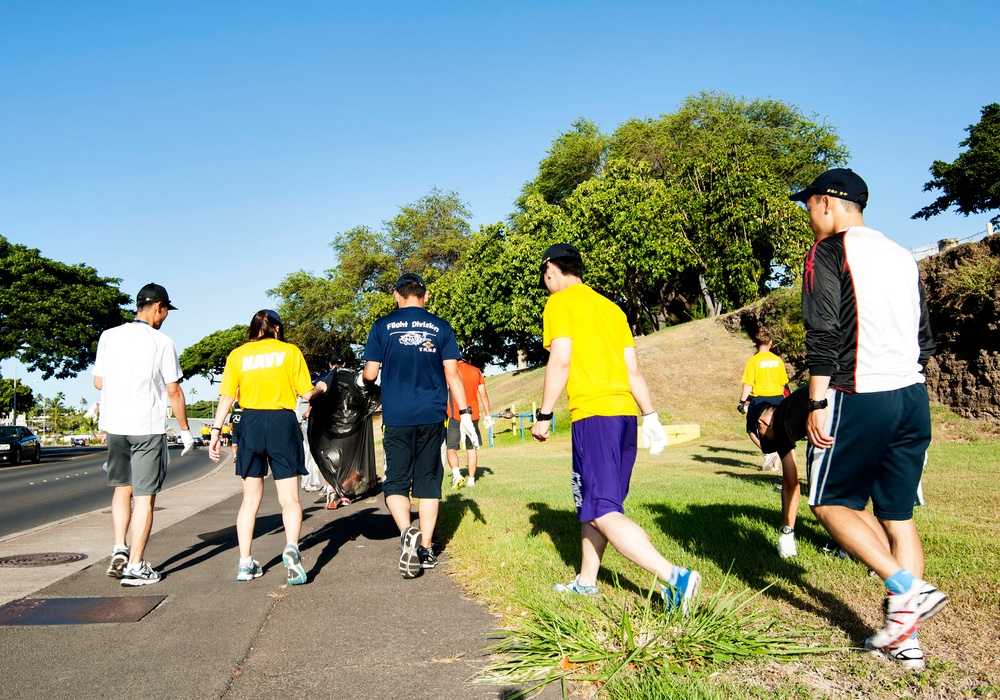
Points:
467	411
542	416
785	530
816	405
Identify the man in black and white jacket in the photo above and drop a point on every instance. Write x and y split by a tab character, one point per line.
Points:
867	340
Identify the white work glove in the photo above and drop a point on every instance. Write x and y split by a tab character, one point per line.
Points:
187	439
467	429
360	381
653	435
487	422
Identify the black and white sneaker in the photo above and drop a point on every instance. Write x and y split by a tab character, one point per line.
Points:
119	560
409	560
141	575
427	558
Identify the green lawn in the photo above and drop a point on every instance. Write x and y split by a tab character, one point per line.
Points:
706	506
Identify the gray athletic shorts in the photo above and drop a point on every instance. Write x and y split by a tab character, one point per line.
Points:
139	461
455	435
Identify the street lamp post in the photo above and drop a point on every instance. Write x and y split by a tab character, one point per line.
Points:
14	419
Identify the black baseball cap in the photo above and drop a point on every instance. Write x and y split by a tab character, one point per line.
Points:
842	183
153	293
273	315
556	251
408	277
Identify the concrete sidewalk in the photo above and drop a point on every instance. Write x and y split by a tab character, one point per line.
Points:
356	630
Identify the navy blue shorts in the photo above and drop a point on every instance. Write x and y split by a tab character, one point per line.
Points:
880	440
413	460
756	407
604	449
270	439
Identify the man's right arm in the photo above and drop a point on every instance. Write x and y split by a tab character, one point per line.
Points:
176	396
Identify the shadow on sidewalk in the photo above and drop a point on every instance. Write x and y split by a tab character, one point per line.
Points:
369	523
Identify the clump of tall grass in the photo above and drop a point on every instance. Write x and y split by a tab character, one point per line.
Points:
582	639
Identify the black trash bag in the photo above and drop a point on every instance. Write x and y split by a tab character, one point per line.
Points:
340	434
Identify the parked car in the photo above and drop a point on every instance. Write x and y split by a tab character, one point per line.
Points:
79	442
18	443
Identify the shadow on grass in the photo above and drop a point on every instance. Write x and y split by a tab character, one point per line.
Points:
724	461
454	508
563	529
714	532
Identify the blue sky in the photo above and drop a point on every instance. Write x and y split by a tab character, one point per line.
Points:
216	147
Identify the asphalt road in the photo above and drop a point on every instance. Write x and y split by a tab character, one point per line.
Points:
70	481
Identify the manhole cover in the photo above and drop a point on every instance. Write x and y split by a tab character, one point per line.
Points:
42	559
77	611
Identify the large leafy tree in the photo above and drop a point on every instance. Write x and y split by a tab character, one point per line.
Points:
335	310
729	164
26	400
576	156
493	301
971	183
207	357
52	314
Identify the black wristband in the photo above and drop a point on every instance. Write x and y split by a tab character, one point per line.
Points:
214	428
542	416
467	411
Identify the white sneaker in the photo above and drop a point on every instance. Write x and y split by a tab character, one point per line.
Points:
457	482
907	654
904	611
786	546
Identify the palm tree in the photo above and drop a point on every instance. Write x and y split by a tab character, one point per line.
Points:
55	409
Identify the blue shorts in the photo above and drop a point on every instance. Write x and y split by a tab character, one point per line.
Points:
880	440
270	439
413	460
604	449
756	407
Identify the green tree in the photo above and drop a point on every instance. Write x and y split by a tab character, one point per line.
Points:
207	357
26	400
335	310
493	301
971	183
575	157
55	412
51	313
729	164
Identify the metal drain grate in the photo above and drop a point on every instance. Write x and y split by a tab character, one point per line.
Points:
41	559
77	611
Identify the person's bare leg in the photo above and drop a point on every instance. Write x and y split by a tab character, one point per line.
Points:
593	546
633	543
453	460
876	527
427	512
852	532
399	509
473	456
790	490
291	509
246	518
142	524
121	514
905	544
754	439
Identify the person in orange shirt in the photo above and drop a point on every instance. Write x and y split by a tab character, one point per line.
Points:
475	390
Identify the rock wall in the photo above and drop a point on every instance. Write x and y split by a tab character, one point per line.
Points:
965	372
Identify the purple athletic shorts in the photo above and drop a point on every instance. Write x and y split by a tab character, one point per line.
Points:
604	450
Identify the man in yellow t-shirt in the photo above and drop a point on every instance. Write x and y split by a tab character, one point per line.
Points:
592	355
765	383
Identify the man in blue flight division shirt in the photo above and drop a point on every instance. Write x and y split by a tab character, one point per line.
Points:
418	356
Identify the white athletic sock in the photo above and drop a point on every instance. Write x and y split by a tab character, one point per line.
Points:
456	474
471	481
246	561
120	548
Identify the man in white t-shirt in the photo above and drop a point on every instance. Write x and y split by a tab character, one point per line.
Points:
138	374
